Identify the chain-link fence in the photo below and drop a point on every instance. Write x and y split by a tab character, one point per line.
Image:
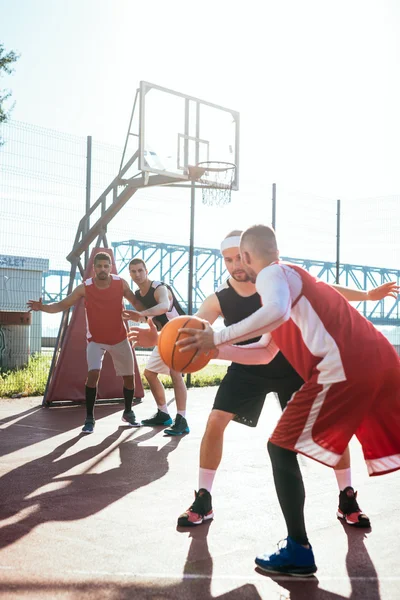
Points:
351	242
43	188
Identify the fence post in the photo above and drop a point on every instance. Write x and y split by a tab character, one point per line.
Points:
88	189
274	206
191	257
337	241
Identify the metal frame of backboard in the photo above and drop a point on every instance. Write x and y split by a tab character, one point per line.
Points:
191	148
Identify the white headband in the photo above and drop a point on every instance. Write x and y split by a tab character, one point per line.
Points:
230	242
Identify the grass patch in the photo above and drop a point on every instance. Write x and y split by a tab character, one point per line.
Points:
28	381
31	380
210	375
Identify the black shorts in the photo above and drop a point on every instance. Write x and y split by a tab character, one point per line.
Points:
243	391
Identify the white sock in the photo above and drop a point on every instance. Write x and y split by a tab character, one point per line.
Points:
343	477
206	479
181	412
163	408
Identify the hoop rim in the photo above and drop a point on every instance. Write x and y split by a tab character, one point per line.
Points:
205	165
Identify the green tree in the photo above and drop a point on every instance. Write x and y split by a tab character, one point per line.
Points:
6	60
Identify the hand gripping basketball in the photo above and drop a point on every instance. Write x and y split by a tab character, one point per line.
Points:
183	362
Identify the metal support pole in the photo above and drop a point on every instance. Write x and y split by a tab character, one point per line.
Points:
274	206
191	259
88	189
191	248
337	241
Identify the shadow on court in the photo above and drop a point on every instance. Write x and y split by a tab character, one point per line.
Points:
89	517
37	424
83	494
195	583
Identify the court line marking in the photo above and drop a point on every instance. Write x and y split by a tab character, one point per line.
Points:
194	576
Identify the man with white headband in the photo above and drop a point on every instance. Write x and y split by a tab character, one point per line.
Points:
351	374
243	390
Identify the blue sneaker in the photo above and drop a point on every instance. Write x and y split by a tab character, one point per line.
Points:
89	425
179	427
292	559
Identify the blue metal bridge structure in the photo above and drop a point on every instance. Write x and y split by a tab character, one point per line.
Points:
170	263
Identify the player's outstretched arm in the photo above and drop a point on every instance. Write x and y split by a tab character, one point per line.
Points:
56	307
275	294
390	289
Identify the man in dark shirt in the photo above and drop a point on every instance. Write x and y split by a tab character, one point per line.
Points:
159	302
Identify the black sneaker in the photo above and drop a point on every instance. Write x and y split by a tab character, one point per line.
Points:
349	510
160	418
179	427
89	425
129	417
201	510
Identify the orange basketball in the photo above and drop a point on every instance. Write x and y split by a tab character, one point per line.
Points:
183	362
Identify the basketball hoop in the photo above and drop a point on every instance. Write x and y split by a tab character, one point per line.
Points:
215	179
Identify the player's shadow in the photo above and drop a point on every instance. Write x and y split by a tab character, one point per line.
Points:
362	575
195	583
37	424
197	572
196	579
85	493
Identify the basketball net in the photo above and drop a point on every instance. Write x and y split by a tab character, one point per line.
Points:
215	179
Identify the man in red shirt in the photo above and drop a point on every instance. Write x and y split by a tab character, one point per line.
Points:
106	332
351	374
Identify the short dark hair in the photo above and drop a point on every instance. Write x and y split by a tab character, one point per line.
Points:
261	239
101	256
137	261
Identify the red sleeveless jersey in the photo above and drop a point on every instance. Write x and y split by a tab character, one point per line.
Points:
104	312
328	336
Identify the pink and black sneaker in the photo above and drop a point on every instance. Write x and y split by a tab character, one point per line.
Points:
349	510
200	511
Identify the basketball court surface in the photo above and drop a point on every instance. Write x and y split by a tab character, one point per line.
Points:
95	516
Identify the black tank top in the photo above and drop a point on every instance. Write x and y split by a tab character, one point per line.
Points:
235	308
149	301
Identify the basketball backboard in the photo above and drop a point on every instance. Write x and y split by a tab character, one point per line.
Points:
177	131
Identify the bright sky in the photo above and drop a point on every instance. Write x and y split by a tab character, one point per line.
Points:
316	84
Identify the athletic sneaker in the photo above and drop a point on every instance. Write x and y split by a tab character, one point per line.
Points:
349	510
89	425
201	510
292	559
129	417
160	418
179	427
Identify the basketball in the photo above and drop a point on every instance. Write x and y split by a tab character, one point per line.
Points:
183	362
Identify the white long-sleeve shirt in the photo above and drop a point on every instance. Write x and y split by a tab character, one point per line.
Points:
278	287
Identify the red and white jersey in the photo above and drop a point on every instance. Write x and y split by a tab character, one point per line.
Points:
314	326
104	308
